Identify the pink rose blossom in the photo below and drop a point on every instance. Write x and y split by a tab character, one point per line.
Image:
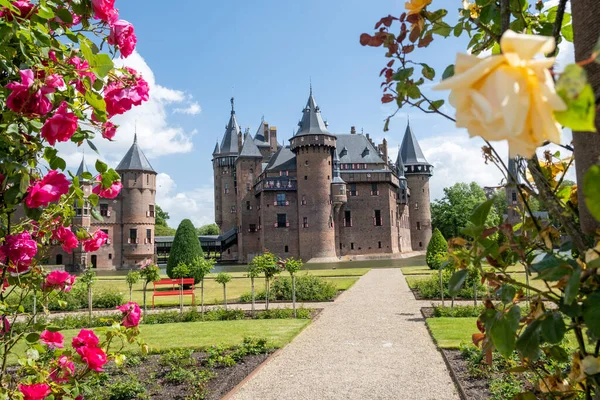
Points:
54	81
52	339
85	338
131	314
20	250
94	357
37	391
59	280
25	10
120	96
109	130
23	100
97	240
61	126
66	237
52	56
122	35
110	193
5	325
64	369
76	19
105	10
83	70
47	190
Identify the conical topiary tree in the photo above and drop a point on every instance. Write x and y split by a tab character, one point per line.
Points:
186	246
436	250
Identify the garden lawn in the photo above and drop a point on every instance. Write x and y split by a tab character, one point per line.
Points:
417	270
411	280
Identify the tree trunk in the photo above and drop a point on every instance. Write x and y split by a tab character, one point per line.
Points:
586	30
267	293
145	286
90	305
130	293
202	296
225	296
294	294
252	284
441	287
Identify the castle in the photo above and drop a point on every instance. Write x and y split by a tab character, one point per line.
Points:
323	197
128	219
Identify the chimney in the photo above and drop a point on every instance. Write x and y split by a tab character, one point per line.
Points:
385	151
353	130
266	132
239	138
273	139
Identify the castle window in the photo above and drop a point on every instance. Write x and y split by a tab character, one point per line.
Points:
85	209
306	162
105	231
247	187
151	210
281	200
110	256
248	206
149	235
232	209
353	191
305	177
514	197
352	246
377	221
281	221
226	190
286	249
59	259
133	236
104	210
420	244
252	228
340	245
147	179
327	177
418	226
379	244
416	206
303	202
374	191
347	218
305	222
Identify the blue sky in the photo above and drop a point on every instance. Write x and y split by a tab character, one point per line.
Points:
197	54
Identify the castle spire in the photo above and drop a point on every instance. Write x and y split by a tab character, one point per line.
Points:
229	144
135	159
82	167
337	178
312	121
232	106
411	152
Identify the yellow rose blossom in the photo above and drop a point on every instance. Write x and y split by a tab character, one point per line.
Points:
415	6
471	8
592	254
554	384
509	96
576	374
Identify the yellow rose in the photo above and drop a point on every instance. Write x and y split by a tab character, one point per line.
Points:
592	254
415	6
471	9
509	96
577	374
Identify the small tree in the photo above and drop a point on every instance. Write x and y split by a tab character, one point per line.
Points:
224	278
292	266
186	246
132	278
149	273
181	271
88	279
199	268
270	269
436	250
254	270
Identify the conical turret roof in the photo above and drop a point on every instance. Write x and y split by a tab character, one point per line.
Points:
312	121
250	149
259	137
400	165
229	144
410	150
336	168
216	150
82	167
135	160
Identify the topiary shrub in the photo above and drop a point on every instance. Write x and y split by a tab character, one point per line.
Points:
436	250
186	246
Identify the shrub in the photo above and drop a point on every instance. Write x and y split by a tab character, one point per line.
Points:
107	299
430	287
281	313
308	288
437	250
127	388
457	311
179	375
185	248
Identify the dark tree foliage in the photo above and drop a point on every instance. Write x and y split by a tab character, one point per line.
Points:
186	246
210	229
437	249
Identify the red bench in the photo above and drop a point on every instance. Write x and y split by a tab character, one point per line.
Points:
175	289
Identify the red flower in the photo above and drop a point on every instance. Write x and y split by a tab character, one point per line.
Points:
60	280
85	338
110	193
105	10
131	314
23	100
83	70
98	239
52	339
94	357
54	81
109	130
37	391
64	369
20	250
61	126
122	35
122	95
66	237
25	10
49	189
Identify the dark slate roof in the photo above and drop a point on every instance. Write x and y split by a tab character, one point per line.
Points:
259	138
351	149
312	121
336	169
400	165
82	167
410	150
249	149
216	150
135	160
282	160
229	144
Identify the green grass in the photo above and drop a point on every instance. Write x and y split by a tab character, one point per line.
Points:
417	270
412	280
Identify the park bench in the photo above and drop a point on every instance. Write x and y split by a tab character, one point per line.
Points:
177	288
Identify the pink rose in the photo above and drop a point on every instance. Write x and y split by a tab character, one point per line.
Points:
5	325
76	19
47	190
122	35
61	126
110	193
105	10
37	391
66	237
85	338
83	70
21	100
20	250
60	280
63	370
97	240
24	7
131	314
52	339
94	357
109	130
54	81
120	96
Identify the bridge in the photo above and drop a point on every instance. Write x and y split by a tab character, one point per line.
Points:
212	245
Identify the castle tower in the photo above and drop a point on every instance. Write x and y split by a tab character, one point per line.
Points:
82	219
417	172
313	146
225	175
402	208
136	209
515	206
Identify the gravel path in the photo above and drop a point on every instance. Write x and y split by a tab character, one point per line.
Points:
371	343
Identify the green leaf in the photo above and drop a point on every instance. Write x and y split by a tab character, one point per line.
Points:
32	337
413	92
572	288
481	213
591	190
456	281
557	353
448	72
24	183
567	32
528	343
403	74
436	105
93	146
553	328
53	328
503	331
87	175
458	29
428	72
102	65
591	313
93	199
441	28
64	15
58	163
45	12
101	167
96	215
95	100
436	15
508	293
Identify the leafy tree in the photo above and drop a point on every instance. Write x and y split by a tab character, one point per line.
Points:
292	266
224	278
88	278
210	229
161	228
161	216
186	246
437	250
267	264
199	268
254	270
451	213
149	273
132	278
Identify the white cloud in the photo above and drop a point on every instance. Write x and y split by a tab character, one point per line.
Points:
192	109
197	204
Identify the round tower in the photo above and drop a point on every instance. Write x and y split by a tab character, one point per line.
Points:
313	146
136	207
417	171
79	258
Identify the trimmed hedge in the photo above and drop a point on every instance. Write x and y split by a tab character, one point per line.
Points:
437	250
186	246
308	288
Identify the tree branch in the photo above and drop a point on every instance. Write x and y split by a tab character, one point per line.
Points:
560	13
505	15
